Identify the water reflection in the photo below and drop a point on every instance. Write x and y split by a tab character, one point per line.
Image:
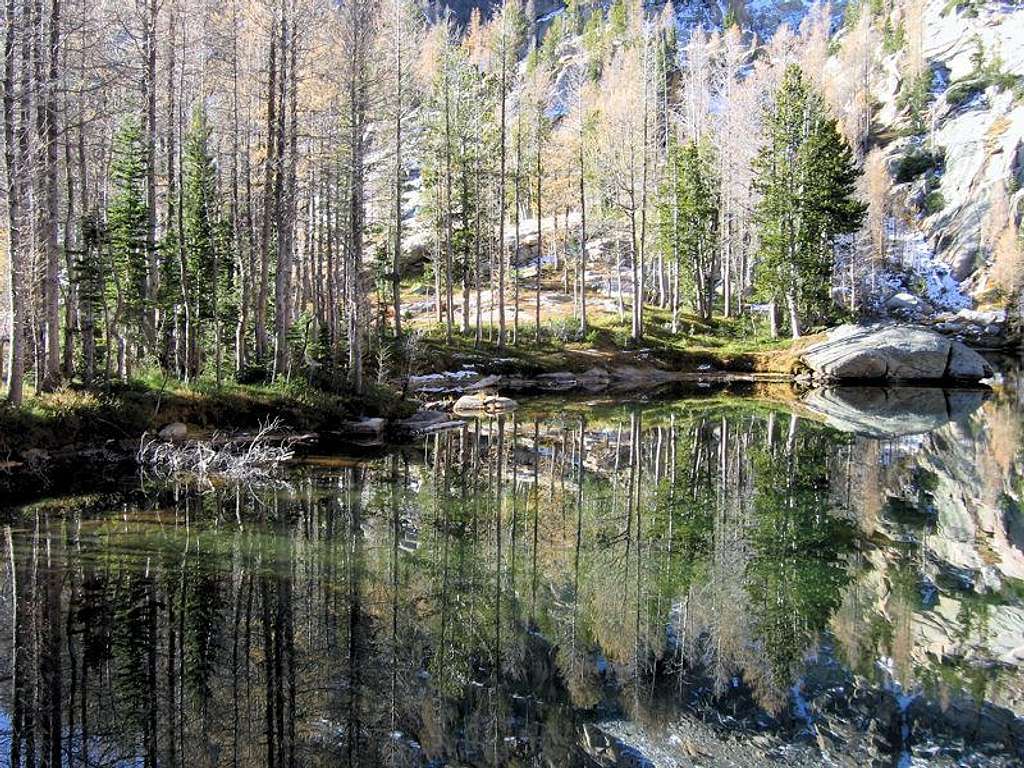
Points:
574	585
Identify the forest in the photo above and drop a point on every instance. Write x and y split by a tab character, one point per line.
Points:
260	191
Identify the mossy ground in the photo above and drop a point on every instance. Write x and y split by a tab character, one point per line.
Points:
738	345
77	415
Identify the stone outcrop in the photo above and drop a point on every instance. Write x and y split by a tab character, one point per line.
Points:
893	353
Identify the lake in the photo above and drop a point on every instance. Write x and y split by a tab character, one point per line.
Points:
699	581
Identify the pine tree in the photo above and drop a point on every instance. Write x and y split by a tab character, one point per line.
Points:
689	216
90	279
201	282
806	177
127	222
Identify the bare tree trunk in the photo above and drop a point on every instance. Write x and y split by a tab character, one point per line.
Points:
396	272
269	173
19	316
50	222
243	260
449	312
170	164
794	316
503	84
282	293
540	240
357	111
583	229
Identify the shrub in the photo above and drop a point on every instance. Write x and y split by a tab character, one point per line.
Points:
916	162
564	329
934	202
963	91
254	373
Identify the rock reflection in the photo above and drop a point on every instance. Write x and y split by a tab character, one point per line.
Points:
888	412
565	586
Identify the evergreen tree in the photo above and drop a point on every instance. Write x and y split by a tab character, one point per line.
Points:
806	176
127	221
689	216
90	280
201	279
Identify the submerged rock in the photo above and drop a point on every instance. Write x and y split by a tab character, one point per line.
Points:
893	353
483	403
425	422
174	431
368	431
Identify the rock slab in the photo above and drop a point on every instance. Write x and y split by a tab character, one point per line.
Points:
893	353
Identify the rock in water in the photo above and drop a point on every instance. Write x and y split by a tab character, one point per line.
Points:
893	353
174	432
481	403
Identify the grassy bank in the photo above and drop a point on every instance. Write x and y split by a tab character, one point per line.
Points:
722	344
75	415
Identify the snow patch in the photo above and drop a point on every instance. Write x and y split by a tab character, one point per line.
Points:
918	258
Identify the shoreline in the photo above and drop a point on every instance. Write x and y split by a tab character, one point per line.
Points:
77	430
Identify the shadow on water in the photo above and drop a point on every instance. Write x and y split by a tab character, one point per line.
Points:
578	584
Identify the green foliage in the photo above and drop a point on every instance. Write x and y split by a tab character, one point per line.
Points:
561	29
618	20
987	73
201	215
731	19
688	213
806	176
205	281
915	96
127	222
969	8
894	38
916	162
594	44
797	575
934	202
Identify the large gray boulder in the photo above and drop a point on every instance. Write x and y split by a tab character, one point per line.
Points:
893	353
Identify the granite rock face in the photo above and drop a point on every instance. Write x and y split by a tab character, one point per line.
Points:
893	353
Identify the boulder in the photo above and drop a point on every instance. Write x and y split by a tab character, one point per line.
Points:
368	426
483	403
906	304
368	431
174	432
893	353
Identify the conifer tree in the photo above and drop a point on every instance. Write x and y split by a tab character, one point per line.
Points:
90	278
127	222
201	219
689	216
806	176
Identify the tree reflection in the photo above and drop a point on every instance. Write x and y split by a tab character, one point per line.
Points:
472	599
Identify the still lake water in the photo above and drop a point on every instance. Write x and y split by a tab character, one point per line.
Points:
712	581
